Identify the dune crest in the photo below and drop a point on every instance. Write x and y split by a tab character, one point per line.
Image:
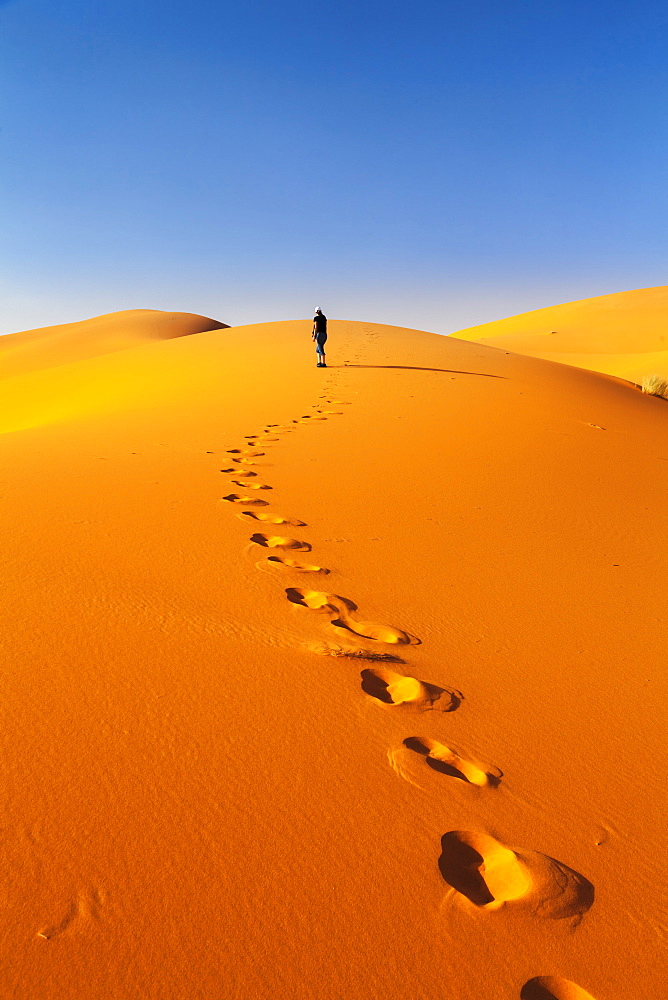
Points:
623	334
34	350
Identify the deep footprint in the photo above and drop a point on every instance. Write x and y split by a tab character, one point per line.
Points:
340	608
491	875
553	988
280	561
441	758
241	473
251	486
273	519
279	542
255	501
392	688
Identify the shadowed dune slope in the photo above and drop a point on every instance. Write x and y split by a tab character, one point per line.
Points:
625	334
32	350
396	731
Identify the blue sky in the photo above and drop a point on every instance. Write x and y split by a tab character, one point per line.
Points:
426	164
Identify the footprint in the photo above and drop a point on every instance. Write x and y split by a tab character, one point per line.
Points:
54	930
391	688
490	875
255	501
251	486
243	461
86	905
243	473
267	440
339	608
553	988
279	542
274	519
294	565
443	759
245	451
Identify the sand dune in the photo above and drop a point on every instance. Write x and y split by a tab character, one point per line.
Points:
34	350
396	731
625	334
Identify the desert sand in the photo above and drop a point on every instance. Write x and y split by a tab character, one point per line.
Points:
343	683
625	334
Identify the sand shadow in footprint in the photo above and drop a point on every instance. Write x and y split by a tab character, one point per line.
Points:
553	988
441	758
490	875
392	688
340	611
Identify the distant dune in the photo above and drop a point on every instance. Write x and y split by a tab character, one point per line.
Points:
32	350
322	684
625	334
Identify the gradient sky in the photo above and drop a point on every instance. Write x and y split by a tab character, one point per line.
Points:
425	164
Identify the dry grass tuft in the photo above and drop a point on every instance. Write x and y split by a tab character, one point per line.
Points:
655	385
355	654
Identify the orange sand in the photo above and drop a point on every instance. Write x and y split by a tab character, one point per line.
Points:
624	334
407	743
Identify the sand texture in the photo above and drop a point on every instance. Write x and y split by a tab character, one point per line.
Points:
330	684
625	334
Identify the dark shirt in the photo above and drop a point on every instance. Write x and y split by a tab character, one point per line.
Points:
320	321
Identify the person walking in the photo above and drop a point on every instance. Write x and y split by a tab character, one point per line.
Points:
319	334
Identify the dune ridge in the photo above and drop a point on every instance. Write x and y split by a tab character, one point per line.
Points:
46	347
194	756
624	334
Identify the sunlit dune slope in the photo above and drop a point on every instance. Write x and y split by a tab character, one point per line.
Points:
625	334
343	683
32	350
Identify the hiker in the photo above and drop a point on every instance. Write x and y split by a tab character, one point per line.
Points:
319	334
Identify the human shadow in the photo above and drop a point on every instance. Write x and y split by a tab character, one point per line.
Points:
413	368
